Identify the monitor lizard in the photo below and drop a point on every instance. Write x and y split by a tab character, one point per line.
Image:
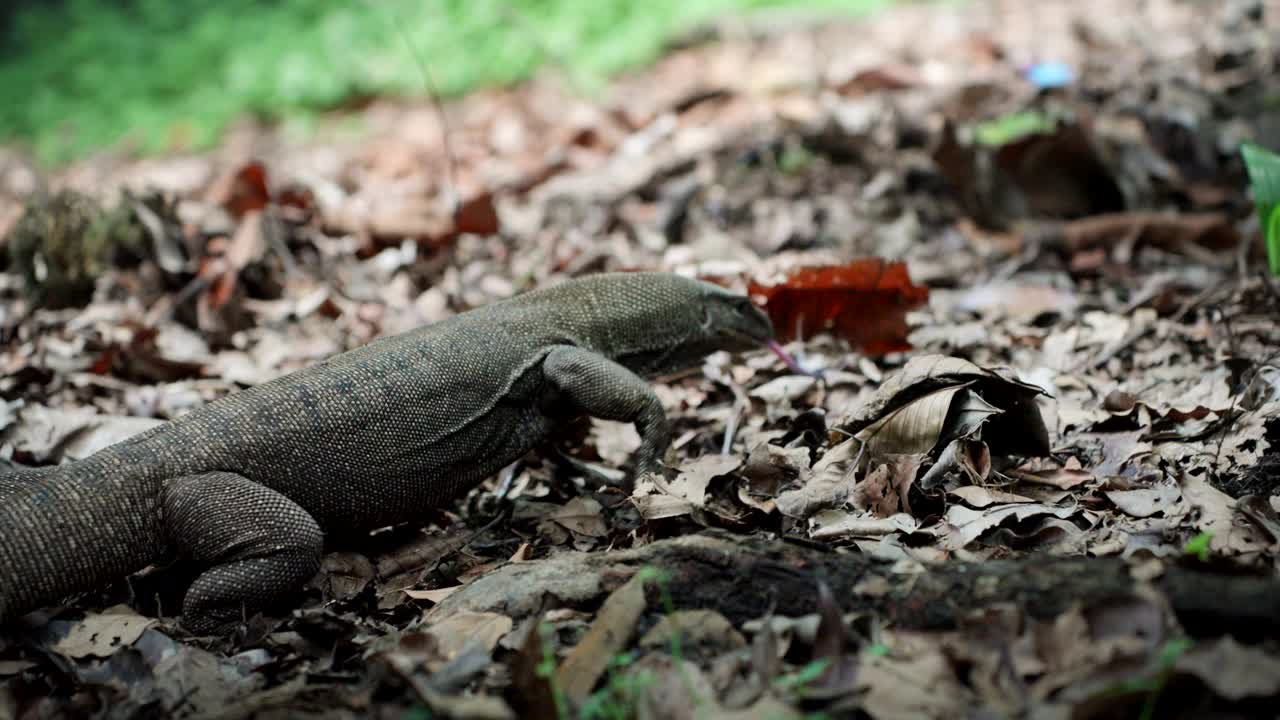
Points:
248	485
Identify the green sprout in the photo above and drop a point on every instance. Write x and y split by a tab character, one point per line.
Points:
1198	546
1264	178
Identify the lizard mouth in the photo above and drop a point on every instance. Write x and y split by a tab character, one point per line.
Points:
748	339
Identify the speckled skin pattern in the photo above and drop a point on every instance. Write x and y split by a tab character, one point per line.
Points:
248	485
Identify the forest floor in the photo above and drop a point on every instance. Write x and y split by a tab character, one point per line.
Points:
1024	467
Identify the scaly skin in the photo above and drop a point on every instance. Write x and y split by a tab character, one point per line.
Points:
248	485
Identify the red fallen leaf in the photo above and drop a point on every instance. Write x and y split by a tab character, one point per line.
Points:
538	175
301	200
103	363
891	76
864	302
140	359
221	289
225	257
248	190
477	216
217	275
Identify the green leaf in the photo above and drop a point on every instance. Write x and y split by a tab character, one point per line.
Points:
1198	546
1172	650
1271	234
795	160
1012	127
803	676
1264	180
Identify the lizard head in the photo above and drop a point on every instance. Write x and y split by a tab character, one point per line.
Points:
731	321
674	322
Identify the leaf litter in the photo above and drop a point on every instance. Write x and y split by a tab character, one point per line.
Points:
1019	459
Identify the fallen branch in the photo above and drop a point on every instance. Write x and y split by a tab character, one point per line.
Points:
745	578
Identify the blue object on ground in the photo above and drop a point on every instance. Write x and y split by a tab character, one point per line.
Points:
1048	75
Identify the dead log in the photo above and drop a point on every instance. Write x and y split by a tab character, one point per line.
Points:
746	577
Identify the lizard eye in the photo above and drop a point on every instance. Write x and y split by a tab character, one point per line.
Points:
707	319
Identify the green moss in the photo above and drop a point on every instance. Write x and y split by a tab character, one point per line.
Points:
65	240
156	75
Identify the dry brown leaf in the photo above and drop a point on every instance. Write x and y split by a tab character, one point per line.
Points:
679	689
829	524
1145	502
785	389
914	428
767	468
981	497
1106	645
1118	449
659	506
706	632
962	458
422	551
691	484
828	483
922	685
1214	512
1262	512
344	575
102	634
1021	301
608	635
884	489
1064	478
582	516
656	498
433	596
455	632
874	493
1232	670
968	525
50	435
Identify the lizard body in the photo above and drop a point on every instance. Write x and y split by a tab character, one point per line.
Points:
248	485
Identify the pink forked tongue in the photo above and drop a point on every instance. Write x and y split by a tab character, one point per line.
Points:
789	361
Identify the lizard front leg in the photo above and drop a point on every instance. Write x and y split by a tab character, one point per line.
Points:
609	391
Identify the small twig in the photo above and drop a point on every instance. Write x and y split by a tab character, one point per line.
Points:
1242	259
1114	349
507	478
1150	289
1196	301
1268	283
273	229
1231	413
470	538
740	404
1030	251
451	179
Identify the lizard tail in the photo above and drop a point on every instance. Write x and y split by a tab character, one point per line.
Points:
75	528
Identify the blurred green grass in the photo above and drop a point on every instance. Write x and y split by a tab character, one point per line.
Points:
156	75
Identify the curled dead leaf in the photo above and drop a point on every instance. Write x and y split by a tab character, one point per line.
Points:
934	399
